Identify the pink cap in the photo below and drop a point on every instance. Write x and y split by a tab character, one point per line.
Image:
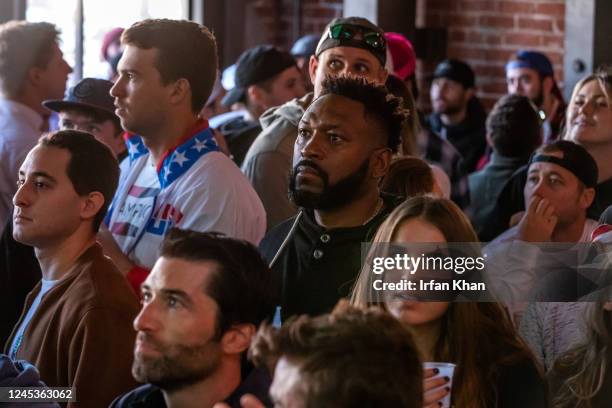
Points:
402	54
110	37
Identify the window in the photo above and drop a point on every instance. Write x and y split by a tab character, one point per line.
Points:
99	17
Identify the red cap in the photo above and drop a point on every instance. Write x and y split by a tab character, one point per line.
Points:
402	55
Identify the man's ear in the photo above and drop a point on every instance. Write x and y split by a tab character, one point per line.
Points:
381	160
313	64
587	197
91	205
34	76
469	94
256	95
237	338
180	90
547	85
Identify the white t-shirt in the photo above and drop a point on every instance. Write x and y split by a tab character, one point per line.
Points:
46	286
196	187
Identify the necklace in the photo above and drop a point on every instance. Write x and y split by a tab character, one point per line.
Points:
376	211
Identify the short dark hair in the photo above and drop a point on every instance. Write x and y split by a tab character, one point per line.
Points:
92	166
242	284
514	126
185	50
379	104
349	358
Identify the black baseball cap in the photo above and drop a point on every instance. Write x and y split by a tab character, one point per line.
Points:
255	65
91	93
457	71
355	32
576	159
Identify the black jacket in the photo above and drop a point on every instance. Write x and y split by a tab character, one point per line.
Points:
318	267
468	137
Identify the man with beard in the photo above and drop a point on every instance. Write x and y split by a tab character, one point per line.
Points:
458	116
531	74
348	46
344	146
201	305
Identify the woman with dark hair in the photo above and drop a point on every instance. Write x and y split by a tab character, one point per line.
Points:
494	368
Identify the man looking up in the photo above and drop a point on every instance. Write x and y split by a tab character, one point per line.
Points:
202	304
32	69
458	116
76	326
265	77
531	74
349	46
176	175
344	146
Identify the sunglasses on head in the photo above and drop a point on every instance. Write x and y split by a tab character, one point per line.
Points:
351	32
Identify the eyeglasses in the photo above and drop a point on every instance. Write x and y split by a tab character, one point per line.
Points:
351	32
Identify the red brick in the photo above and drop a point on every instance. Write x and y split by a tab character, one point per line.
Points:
489	71
553	41
474	37
553	9
515	7
467	53
522	39
498	87
492	39
318	12
560	24
531	23
457	35
497	21
499	55
459	19
481	5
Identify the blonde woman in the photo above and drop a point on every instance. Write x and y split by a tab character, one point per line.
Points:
582	377
493	366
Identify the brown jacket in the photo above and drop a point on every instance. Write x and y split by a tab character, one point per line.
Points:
81	335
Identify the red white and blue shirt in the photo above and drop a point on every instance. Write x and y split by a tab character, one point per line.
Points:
194	186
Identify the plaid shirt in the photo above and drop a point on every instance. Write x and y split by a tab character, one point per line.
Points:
439	151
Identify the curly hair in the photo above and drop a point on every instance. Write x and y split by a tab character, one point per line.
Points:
378	103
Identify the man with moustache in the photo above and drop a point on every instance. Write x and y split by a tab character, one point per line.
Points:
201	306
530	73
344	146
348	46
458	116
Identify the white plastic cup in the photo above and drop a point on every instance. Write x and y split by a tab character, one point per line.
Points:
444	370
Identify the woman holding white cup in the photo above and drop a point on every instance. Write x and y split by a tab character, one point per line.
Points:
492	365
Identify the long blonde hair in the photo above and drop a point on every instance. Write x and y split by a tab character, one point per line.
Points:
584	367
478	337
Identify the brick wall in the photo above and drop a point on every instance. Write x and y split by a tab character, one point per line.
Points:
485	33
279	22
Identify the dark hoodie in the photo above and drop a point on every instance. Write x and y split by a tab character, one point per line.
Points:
468	137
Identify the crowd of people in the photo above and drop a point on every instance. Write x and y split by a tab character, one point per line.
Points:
244	211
